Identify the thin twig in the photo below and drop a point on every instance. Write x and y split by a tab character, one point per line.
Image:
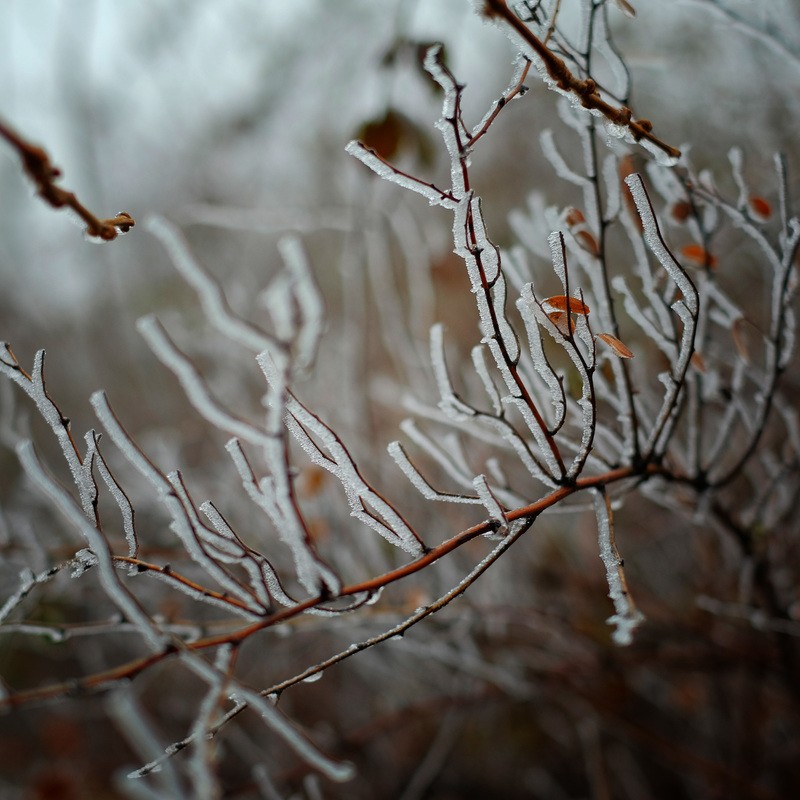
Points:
41	171
585	90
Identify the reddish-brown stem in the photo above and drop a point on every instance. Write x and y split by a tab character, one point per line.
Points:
166	572
586	90
131	669
517	90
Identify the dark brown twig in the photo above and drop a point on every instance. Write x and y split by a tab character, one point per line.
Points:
41	171
586	90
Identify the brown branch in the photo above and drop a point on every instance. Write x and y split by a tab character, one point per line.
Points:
585	90
41	171
131	669
517	90
169	574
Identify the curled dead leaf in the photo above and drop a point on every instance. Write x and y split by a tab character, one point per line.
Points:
620	349
574	217
562	321
577	225
587	242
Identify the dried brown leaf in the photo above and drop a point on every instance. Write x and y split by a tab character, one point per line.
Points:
681	210
620	349
575	217
698	362
562	321
587	241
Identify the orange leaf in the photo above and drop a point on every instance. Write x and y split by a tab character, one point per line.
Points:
760	207
697	254
698	362
616	345
587	242
680	211
575	217
561	303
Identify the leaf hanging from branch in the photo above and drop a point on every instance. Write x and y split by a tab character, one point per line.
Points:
620	349
560	302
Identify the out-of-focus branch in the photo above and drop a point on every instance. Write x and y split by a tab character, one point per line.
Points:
41	171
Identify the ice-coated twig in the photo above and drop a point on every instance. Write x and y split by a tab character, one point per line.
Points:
227	547
421	484
582	94
395	328
120	498
27	580
450	403
686	308
541	364
780	337
553	155
212	298
263	493
488	498
125	710
278	488
194	538
167	494
446	452
132	452
655	241
205	781
395	631
481	369
194	384
584	364
627	616
115	589
306	331
34	386
435	196
385	519
516	88
277	721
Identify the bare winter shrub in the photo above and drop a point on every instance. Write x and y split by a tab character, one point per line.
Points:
624	372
